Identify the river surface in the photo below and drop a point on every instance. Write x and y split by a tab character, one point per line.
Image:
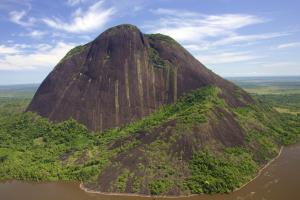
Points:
279	181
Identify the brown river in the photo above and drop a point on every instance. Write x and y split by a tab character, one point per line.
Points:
279	181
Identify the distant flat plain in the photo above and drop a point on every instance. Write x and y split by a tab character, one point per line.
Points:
269	85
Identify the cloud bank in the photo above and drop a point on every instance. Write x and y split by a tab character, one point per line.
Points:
95	17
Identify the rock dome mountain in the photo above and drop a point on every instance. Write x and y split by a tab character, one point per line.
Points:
162	123
121	76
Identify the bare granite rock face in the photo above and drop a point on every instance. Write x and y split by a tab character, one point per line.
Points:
124	75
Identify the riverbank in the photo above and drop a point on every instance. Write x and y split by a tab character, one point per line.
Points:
179	196
132	194
279	180
261	170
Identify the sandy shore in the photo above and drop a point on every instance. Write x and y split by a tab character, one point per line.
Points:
180	196
131	194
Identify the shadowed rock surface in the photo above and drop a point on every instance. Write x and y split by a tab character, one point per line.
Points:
121	76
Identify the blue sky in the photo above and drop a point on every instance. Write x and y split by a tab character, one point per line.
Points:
231	37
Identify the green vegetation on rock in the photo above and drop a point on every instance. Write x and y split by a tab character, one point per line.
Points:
32	148
215	174
159	186
155	59
163	38
122	180
114	30
74	51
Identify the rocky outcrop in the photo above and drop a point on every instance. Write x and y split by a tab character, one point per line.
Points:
121	76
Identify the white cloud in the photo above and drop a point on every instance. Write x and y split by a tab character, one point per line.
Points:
226	57
43	47
137	8
207	31
264	67
34	34
188	26
164	11
92	19
195	47
280	64
247	38
213	39
18	18
75	2
12	48
8	50
288	45
43	56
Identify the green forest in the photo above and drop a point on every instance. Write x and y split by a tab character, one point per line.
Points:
32	148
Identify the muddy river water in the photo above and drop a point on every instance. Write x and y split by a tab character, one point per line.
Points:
279	181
